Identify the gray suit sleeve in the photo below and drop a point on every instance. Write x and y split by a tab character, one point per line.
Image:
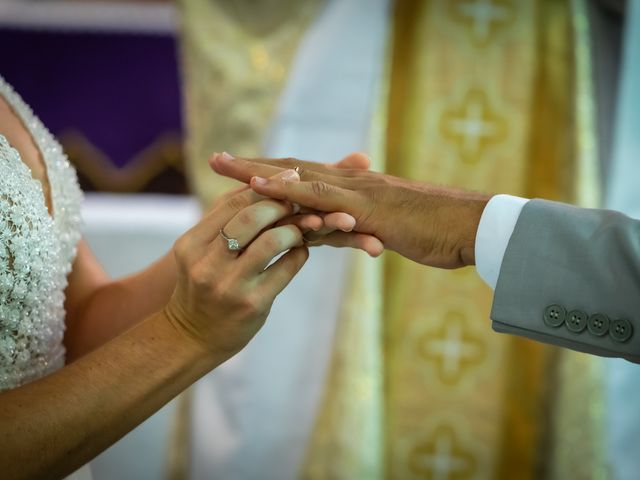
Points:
571	277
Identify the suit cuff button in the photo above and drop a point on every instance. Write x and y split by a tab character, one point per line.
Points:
620	330
576	321
554	315
598	324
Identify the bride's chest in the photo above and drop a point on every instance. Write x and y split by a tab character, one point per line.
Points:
31	261
32	275
39	231
17	135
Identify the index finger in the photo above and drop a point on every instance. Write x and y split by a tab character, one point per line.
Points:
240	169
244	169
317	195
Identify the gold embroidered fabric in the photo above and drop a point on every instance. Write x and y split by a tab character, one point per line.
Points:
494	96
348	438
235	58
491	95
235	61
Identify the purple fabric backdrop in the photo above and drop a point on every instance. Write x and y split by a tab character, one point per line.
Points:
120	90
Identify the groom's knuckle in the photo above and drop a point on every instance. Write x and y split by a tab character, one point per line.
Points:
372	193
320	188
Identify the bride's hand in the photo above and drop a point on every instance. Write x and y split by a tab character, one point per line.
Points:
223	297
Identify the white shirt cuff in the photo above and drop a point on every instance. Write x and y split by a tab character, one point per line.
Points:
494	232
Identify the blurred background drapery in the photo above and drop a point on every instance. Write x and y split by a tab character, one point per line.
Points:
495	95
236	59
492	96
234	69
474	91
104	80
623	378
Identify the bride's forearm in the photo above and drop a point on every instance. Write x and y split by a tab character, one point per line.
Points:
115	306
54	425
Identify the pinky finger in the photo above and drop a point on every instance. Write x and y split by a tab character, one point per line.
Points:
281	272
361	241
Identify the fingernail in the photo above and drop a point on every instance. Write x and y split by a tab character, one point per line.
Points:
225	157
290	175
260	180
296	208
348	225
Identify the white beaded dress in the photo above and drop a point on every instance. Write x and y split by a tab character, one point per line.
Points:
37	250
36	253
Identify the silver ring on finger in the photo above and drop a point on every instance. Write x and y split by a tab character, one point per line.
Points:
233	245
298	170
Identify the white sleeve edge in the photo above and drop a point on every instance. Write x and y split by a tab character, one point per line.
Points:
494	232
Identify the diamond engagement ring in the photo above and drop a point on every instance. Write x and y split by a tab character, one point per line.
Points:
232	244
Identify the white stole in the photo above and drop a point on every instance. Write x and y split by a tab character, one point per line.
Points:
252	418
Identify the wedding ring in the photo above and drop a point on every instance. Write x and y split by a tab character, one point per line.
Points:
298	170
232	244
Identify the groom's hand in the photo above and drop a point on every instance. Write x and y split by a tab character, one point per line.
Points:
334	229
430	225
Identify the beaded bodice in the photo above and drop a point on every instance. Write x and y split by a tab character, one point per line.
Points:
36	253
